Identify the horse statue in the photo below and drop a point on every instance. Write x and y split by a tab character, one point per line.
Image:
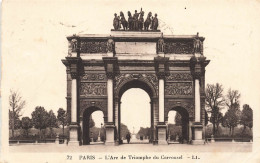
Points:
147	21
130	21
141	21
123	20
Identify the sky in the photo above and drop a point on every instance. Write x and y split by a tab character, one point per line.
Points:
34	42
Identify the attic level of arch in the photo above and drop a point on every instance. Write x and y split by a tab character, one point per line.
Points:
168	44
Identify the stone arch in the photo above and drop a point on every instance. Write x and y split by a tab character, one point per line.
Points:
87	112
142	81
185	122
99	104
188	106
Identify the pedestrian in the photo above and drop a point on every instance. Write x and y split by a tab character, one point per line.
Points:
128	137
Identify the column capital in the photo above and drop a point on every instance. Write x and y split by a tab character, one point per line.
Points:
197	66
74	65
161	66
111	66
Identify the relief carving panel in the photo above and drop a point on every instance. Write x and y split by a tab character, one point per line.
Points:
179	47
93	89
93	46
179	77
180	88
93	77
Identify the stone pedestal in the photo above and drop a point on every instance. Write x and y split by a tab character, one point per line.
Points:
212	139
74	135
161	128
197	132
110	134
57	140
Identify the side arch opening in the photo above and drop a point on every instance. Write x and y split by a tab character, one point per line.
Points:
93	131
178	126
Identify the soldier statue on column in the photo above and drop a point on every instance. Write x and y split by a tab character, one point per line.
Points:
197	44
161	44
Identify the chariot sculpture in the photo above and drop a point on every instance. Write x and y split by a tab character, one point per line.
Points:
136	21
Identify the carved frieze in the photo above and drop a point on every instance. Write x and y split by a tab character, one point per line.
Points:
179	77
93	89
180	88
93	77
179	47
93	46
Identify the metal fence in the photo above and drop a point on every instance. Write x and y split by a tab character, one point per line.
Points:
228	140
38	141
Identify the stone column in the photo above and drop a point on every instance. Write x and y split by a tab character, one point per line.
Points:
110	100
197	72
152	123
74	126
161	100
109	125
155	116
161	68
197	100
117	122
161	127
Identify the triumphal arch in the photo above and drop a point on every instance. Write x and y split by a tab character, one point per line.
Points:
170	68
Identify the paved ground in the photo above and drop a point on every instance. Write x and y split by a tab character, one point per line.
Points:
211	147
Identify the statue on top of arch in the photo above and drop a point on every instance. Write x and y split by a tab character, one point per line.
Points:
135	22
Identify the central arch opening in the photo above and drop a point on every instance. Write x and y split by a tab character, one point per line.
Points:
136	113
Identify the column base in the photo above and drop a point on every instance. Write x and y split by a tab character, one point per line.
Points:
110	143
197	134
110	133
155	142
73	143
197	142
74	135
161	129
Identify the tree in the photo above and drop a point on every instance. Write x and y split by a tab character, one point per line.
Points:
16	104
91	122
123	130
206	118
247	117
214	101
52	121
177	119
40	118
231	118
146	132
26	124
218	120
232	98
17	121
62	118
